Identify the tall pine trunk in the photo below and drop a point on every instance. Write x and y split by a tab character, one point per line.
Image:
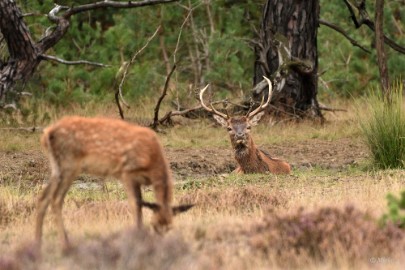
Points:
289	30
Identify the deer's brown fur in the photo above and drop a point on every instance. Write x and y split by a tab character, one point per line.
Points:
250	159
105	147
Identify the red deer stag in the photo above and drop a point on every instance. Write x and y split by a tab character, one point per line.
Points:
250	159
106	147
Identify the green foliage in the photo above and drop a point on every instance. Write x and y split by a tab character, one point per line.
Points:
348	70
396	210
384	129
215	51
113	36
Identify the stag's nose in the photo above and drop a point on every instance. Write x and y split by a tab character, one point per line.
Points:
239	135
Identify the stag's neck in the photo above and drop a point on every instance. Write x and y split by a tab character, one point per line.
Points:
249	158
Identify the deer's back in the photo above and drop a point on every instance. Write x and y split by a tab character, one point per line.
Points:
275	165
102	146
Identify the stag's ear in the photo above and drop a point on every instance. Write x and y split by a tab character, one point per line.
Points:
255	119
181	208
220	120
152	206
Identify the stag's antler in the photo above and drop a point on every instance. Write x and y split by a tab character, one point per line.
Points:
212	109
263	106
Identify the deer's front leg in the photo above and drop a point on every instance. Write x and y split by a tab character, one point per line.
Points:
238	170
134	194
138	198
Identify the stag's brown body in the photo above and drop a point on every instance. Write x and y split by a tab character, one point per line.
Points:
250	159
105	147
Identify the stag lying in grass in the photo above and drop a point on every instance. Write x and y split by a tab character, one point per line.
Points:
250	159
106	147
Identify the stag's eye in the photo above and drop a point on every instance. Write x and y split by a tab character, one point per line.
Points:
229	129
248	128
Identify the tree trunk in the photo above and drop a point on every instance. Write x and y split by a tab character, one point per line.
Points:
379	44
22	51
287	52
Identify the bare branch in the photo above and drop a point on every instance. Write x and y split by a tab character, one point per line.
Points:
114	4
168	115
394	45
63	23
325	108
10	106
156	117
180	32
365	19
183	112
29	14
78	62
351	7
118	92
52	14
341	31
25	54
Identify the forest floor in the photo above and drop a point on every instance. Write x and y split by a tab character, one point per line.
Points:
325	215
195	163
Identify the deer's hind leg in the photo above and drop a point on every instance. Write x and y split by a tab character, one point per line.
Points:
58	197
43	203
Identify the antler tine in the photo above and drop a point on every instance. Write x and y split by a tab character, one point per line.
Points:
263	106
212	109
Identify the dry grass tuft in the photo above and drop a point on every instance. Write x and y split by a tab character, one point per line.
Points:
10	212
342	237
134	249
241	199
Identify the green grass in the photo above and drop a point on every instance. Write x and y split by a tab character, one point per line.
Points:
384	129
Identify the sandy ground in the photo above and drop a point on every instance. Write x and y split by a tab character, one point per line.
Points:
191	163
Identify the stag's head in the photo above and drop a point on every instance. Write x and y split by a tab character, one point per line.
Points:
239	126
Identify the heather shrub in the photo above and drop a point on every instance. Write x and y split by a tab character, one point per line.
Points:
131	249
8	264
338	236
134	249
24	257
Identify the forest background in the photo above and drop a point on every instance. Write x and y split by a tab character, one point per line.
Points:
211	44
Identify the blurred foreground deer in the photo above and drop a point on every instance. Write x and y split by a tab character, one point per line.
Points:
250	159
106	147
